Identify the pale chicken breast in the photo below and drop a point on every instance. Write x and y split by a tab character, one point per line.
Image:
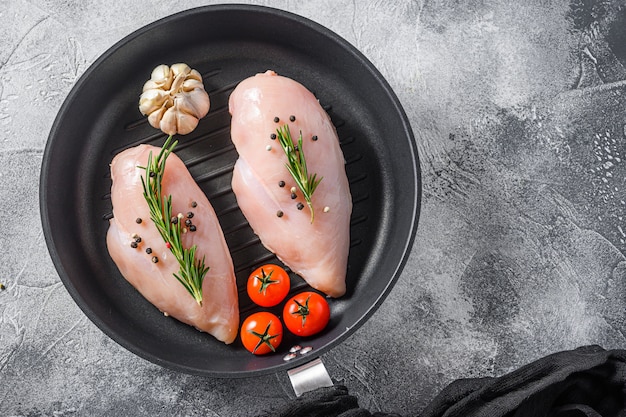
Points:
317	251
219	313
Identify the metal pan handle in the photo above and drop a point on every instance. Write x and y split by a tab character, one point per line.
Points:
310	376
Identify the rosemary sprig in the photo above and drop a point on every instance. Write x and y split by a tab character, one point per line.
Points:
296	164
192	271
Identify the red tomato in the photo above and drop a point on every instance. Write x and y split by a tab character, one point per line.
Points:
306	314
268	285
261	333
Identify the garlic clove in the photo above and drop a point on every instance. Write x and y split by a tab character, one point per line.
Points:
150	85
194	102
202	102
180	68
168	121
194	75
151	100
160	73
185	123
191	84
155	117
184	104
161	76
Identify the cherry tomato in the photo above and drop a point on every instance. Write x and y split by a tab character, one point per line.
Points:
261	333
306	314
268	285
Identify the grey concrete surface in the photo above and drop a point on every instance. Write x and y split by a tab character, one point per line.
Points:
519	112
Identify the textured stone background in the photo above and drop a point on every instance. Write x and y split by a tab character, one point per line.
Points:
519	112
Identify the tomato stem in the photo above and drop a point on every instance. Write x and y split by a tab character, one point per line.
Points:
303	310
266	280
264	338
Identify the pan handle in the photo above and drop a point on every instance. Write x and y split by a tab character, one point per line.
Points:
310	376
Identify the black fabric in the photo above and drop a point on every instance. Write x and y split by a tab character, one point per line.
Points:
585	382
326	402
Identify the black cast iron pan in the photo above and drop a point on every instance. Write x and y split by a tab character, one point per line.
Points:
226	44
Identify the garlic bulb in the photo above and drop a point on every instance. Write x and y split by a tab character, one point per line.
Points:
174	99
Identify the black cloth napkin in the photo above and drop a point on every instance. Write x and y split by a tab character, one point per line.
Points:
585	382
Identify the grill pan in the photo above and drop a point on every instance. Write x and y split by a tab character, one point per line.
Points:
226	43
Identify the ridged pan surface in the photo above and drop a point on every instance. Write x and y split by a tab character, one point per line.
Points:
226	44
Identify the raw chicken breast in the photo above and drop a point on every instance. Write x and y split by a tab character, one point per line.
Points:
219	313
317	251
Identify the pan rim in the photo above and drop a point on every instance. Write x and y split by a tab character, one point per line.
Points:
44	191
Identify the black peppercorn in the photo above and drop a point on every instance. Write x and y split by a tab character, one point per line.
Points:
279	213
273	136
190	215
194	204
148	251
276	120
155	259
300	206
138	239
133	245
314	138
174	220
293	196
192	228
281	183
138	220
292	118
188	222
